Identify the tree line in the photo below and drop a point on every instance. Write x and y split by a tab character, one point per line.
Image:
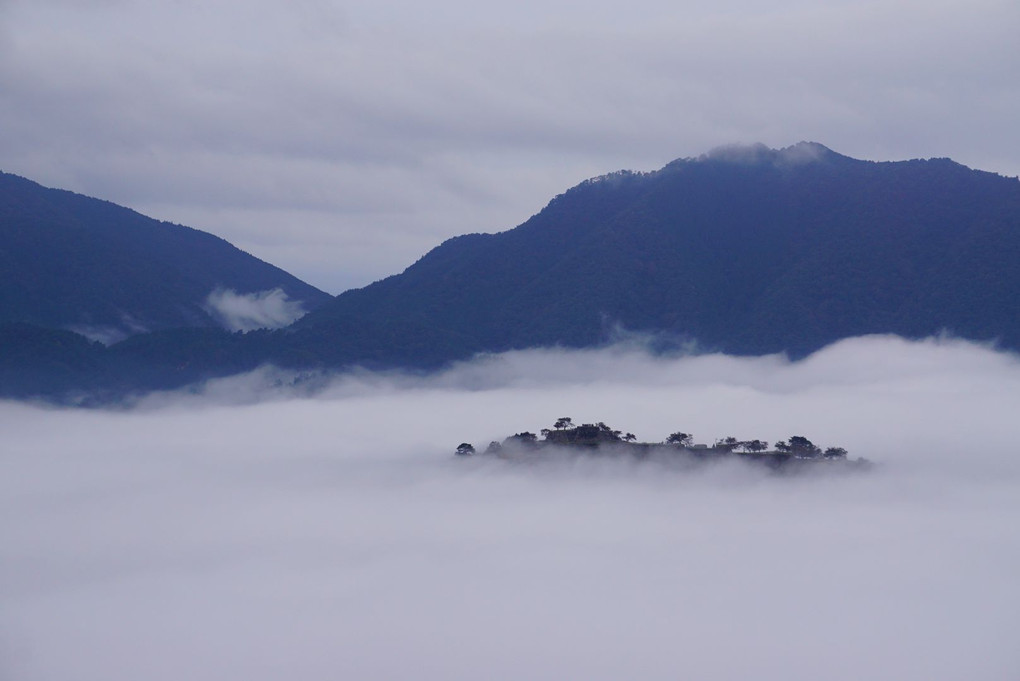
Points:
565	432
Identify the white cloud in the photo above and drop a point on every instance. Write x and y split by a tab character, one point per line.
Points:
337	536
271	309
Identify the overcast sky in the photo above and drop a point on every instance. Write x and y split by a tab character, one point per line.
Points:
337	537
342	140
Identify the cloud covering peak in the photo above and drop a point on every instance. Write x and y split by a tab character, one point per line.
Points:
754	154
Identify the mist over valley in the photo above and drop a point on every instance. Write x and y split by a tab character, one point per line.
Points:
268	269
249	530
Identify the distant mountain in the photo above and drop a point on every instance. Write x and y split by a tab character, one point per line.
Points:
746	250
72	262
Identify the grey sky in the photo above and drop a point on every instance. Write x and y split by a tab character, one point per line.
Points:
337	537
343	140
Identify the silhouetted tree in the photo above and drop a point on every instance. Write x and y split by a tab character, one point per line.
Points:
727	443
801	446
465	449
524	438
781	446
563	422
680	439
593	433
629	437
754	446
835	453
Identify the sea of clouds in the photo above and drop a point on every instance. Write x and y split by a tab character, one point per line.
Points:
262	528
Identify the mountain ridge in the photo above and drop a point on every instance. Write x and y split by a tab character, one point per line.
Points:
76	262
717	217
743	250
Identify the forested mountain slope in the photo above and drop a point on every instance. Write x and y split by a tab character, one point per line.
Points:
72	262
745	250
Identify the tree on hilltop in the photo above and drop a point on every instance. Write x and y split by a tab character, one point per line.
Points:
801	446
680	439
727	443
525	438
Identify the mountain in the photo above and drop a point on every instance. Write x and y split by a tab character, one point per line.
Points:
72	262
746	250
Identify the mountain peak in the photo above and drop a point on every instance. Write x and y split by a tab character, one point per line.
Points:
759	154
805	152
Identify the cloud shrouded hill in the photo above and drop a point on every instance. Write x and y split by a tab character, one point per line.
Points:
72	262
747	250
238	533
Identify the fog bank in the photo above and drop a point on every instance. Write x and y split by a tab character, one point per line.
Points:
248	532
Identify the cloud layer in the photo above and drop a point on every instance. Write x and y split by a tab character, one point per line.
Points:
341	141
195	536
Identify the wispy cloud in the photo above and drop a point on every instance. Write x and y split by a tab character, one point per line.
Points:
271	309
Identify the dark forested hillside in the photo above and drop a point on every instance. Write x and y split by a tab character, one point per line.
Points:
745	250
73	262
